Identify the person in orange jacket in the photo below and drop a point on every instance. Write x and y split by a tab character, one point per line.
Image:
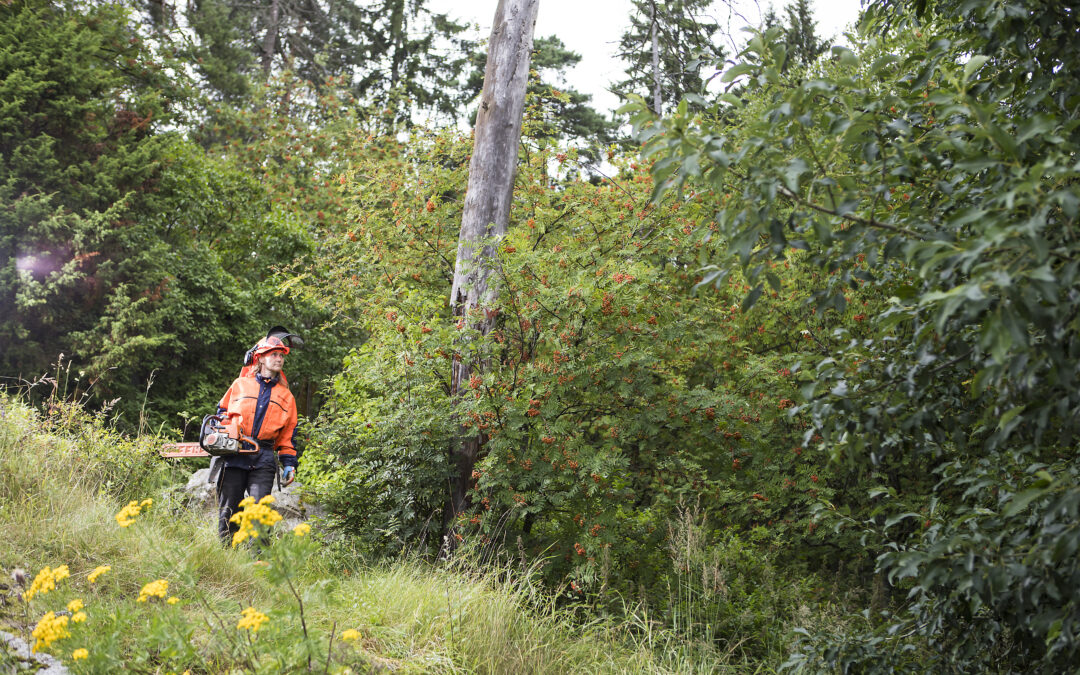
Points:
268	414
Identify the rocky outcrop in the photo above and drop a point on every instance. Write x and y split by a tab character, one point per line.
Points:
37	663
289	501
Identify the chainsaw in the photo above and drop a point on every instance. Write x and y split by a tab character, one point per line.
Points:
220	435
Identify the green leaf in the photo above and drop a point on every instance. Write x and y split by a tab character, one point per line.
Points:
735	71
896	518
845	56
792	171
1020	501
773	280
1009	416
752	297
973	64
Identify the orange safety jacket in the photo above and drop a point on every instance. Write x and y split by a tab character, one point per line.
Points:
279	420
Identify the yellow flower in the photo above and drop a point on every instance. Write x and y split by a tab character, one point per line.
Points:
46	580
252	620
153	589
301	529
79	654
350	635
253	514
98	571
173	600
75	605
146	503
78	617
127	514
50	629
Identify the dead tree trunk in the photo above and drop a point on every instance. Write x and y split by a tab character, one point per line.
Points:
269	45
487	213
658	102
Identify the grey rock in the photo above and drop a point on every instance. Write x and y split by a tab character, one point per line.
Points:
199	492
289	501
49	664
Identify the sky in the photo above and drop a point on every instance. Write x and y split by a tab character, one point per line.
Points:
592	28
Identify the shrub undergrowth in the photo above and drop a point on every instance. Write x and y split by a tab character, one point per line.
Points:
64	476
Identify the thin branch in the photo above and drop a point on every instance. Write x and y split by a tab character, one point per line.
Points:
869	222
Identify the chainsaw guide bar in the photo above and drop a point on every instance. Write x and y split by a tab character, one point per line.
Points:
183	450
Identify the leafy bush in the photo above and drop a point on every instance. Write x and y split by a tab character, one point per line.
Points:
940	152
613	398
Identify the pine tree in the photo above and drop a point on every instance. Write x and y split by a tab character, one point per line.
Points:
804	45
108	235
394	55
76	149
665	47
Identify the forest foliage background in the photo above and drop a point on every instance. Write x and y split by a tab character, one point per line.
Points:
798	376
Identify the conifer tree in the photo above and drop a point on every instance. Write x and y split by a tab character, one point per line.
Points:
800	34
392	54
665	47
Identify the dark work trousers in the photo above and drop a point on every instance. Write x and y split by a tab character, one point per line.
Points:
231	488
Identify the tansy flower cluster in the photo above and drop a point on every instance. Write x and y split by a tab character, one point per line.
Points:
153	589
350	635
46	581
252	620
302	529
254	512
127	514
98	571
50	629
75	607
80	653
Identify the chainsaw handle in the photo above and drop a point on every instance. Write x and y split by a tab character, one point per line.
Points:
202	428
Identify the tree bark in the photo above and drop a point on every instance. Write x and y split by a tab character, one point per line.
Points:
658	102
487	214
398	28
269	44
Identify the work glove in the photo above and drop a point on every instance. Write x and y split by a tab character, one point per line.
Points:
287	475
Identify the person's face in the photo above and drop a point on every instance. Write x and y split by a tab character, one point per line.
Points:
272	362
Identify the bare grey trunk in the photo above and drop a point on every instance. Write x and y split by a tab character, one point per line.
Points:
397	35
658	102
269	44
487	209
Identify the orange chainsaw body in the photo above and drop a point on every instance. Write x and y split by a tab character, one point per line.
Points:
220	435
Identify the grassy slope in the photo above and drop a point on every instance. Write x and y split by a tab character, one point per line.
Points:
59	492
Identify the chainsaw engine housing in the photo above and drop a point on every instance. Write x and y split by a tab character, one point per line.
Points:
220	436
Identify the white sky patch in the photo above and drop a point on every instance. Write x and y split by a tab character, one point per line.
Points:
592	28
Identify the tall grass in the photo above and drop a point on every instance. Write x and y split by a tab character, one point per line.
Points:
64	475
